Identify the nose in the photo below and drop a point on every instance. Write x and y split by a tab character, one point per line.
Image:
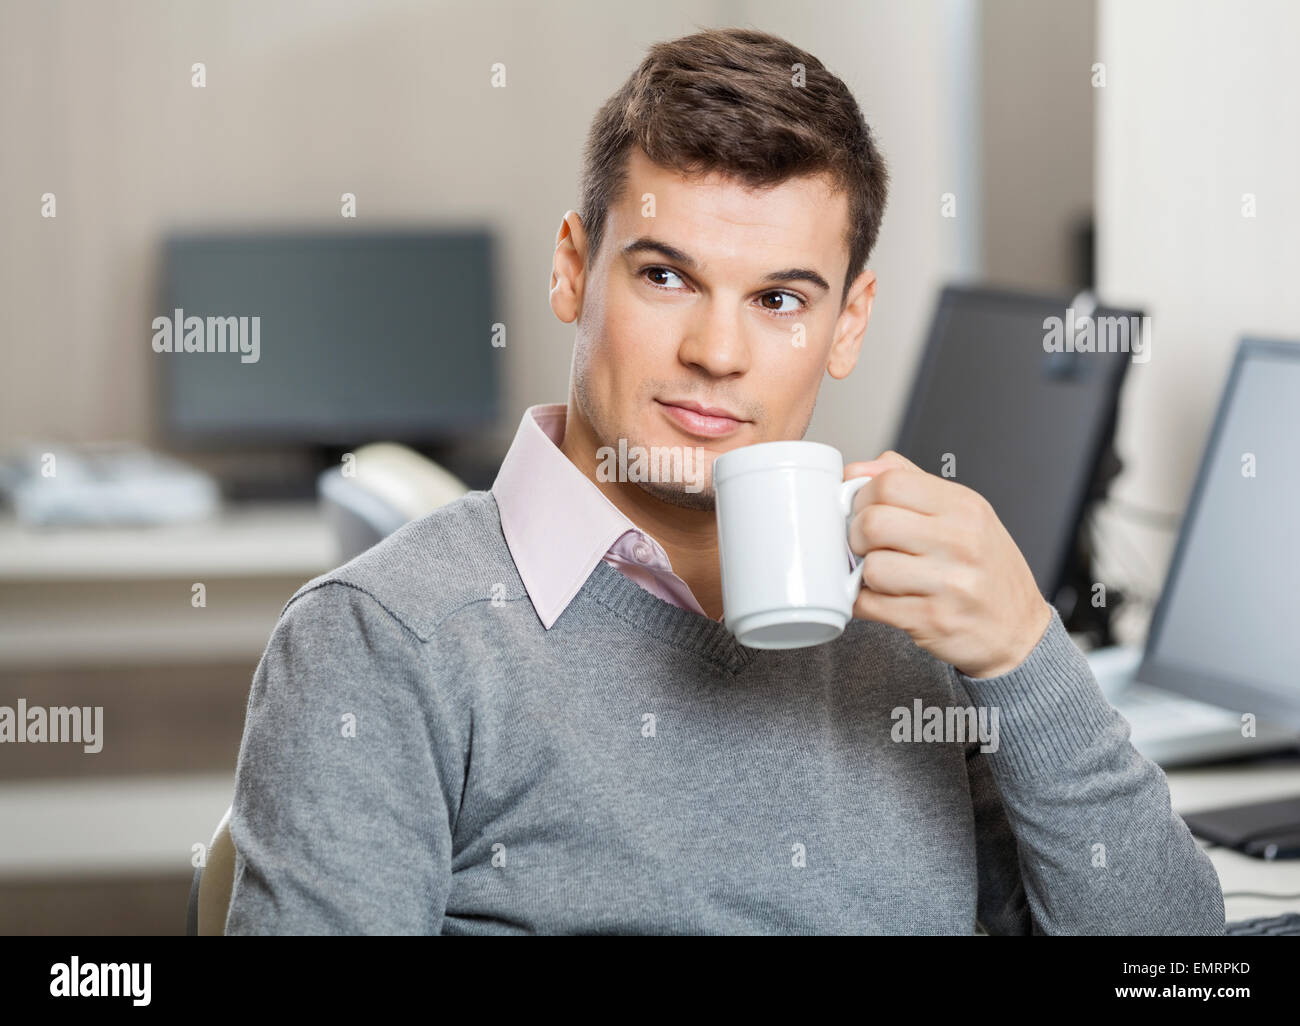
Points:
715	341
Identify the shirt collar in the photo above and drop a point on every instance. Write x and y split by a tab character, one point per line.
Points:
557	523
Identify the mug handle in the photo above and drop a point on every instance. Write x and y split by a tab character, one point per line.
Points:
847	490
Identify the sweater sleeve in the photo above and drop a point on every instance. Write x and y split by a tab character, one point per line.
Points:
347	779
1076	834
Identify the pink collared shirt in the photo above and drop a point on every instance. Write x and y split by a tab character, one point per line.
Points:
558	524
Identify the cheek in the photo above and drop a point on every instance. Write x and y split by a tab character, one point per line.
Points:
611	362
630	325
635	339
791	376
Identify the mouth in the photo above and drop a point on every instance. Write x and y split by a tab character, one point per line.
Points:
701	421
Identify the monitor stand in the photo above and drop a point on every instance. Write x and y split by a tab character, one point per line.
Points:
293	477
289	479
1074	599
289	488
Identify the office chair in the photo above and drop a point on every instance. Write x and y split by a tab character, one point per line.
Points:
387	486
210	891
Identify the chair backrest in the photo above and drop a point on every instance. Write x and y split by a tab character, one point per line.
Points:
384	487
212	885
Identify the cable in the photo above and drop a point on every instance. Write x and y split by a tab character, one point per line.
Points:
1260	894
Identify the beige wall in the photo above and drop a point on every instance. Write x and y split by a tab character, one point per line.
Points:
390	100
1036	137
1201	105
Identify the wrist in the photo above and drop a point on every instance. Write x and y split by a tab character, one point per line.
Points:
1016	653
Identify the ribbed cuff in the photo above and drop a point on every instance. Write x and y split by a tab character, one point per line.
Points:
1050	707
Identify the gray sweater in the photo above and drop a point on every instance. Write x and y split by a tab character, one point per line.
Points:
421	756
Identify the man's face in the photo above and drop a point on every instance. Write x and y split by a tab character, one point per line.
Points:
727	298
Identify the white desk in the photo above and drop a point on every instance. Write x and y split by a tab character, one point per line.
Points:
90	598
1193	790
101	596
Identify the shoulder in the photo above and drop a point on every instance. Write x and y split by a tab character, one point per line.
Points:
427	570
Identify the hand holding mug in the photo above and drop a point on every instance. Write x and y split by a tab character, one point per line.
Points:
938	564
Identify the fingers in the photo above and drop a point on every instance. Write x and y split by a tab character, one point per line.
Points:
886	459
888	572
903	486
906	612
891	527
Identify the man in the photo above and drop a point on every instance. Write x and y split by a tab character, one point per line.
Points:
523	713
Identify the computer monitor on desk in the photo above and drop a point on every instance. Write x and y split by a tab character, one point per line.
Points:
1026	423
1226	630
1227	626
315	342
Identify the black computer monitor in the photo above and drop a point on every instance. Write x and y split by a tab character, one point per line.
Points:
1001	404
1225	628
363	336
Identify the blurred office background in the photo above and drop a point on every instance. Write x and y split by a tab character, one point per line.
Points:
1128	180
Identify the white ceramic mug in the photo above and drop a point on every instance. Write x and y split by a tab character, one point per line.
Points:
783	512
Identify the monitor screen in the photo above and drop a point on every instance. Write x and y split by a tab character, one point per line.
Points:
994	408
357	337
1227	628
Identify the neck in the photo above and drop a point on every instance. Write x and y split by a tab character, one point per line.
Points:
688	536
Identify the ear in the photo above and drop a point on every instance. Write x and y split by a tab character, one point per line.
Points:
568	268
851	325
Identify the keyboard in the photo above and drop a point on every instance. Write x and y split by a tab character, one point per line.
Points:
1285	925
1155	713
1175	730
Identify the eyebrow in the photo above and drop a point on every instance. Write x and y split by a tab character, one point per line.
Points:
646	244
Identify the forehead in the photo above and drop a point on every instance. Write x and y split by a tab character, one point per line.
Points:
803	220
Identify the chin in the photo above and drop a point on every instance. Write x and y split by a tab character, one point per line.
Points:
675	495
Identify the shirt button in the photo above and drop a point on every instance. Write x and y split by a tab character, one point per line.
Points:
642	552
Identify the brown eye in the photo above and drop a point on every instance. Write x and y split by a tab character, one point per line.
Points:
790	310
661	271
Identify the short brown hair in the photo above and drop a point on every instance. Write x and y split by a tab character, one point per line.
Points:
724	100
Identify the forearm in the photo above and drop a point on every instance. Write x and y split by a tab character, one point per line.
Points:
1100	849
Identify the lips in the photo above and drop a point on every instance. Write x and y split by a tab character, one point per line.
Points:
702	421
